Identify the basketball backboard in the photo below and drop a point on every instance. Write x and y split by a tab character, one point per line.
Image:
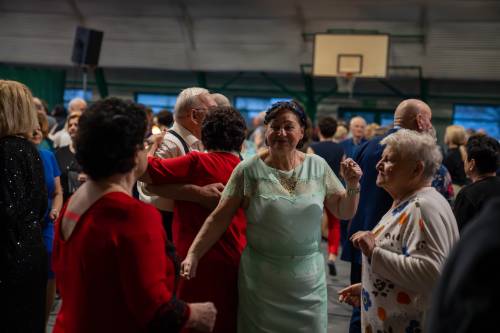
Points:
354	55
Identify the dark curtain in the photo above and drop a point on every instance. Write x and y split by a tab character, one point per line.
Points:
47	84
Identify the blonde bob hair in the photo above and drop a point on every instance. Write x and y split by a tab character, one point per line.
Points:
414	146
455	135
17	109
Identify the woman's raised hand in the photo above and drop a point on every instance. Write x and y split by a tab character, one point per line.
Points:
189	266
351	171
365	241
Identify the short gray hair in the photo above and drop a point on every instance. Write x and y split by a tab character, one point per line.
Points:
221	100
77	101
187	99
416	146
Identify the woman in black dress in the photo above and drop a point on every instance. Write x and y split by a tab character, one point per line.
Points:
23	201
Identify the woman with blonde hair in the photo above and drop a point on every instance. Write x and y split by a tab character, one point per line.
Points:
23	201
371	131
455	139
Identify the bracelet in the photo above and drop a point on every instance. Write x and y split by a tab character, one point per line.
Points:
353	190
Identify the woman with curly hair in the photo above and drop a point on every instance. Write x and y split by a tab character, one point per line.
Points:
116	271
222	134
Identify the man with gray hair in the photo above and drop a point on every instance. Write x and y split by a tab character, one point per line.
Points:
357	127
62	138
184	136
374	202
77	104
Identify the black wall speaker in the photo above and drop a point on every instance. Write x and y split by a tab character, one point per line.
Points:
87	47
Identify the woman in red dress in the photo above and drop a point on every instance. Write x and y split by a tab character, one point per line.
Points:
115	271
223	133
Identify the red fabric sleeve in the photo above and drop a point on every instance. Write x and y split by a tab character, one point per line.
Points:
177	170
147	275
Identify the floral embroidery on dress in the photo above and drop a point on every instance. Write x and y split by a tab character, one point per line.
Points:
381	313
403	218
365	297
421	224
382	287
421	245
403	298
400	208
392	238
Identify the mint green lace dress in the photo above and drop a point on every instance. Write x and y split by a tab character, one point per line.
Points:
281	283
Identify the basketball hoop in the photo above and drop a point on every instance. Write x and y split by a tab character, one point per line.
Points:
345	83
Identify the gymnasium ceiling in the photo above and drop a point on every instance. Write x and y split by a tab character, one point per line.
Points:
456	39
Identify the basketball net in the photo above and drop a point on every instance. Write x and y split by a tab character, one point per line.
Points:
345	83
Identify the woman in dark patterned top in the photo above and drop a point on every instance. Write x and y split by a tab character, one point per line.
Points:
115	270
23	201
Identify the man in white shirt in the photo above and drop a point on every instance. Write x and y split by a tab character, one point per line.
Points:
184	136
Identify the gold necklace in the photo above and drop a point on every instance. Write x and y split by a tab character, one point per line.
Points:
288	183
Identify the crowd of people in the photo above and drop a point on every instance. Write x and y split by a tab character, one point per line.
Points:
190	221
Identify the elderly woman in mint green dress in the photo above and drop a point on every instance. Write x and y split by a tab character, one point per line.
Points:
281	283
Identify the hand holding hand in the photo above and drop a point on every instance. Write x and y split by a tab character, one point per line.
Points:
365	241
189	266
351	295
351	172
210	195
202	316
